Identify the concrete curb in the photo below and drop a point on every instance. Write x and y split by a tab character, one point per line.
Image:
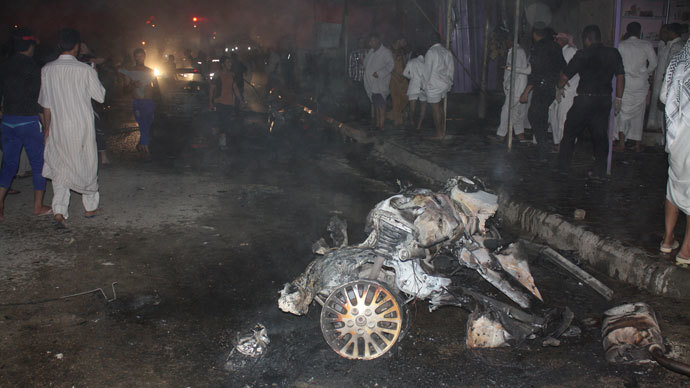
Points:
609	256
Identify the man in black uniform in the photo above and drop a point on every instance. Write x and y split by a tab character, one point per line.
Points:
596	65
20	83
546	59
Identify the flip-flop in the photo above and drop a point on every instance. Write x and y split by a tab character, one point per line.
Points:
48	213
666	249
682	261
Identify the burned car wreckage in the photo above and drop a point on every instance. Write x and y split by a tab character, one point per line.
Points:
364	289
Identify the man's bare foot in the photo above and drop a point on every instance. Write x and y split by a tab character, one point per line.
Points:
60	219
639	148
2	216
521	137
43	211
620	147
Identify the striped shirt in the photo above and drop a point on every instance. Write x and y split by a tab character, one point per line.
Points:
70	159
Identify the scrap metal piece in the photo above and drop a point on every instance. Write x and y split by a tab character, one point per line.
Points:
361	320
480	204
254	343
411	279
628	331
574	270
517	323
514	263
485	331
481	261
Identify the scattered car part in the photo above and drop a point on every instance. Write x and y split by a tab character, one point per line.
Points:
254	343
573	269
628	331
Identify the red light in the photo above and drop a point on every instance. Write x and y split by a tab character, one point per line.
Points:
148	22
195	71
195	19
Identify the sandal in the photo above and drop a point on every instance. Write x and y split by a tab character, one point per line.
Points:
668	249
682	261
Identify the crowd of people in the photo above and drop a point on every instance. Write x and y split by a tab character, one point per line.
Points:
550	94
410	77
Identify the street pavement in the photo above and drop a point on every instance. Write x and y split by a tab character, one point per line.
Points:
200	242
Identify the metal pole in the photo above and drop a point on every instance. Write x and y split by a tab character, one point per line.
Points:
513	57
481	111
445	100
344	31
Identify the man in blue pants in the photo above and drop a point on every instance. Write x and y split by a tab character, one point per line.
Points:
20	83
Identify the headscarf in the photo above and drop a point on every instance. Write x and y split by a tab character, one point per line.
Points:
678	94
563	35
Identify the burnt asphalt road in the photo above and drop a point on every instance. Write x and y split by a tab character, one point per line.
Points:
201	241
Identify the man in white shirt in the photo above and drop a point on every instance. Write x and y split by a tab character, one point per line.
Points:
378	65
439	70
519	111
71	160
639	61
669	45
414	71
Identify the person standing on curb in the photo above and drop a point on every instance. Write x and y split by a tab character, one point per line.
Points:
566	95
675	93
378	65
398	84
670	44
439	71
639	61
546	58
414	71
596	65
522	70
20	83
71	158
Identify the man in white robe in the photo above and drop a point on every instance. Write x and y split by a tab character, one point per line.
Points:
669	45
566	96
675	93
414	71
439	71
378	65
519	111
71	158
639	61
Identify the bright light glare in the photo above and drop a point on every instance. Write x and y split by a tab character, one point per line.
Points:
143	43
237	48
249	48
226	49
156	72
215	60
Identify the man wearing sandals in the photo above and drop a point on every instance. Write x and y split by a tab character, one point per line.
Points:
71	159
675	93
20	83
